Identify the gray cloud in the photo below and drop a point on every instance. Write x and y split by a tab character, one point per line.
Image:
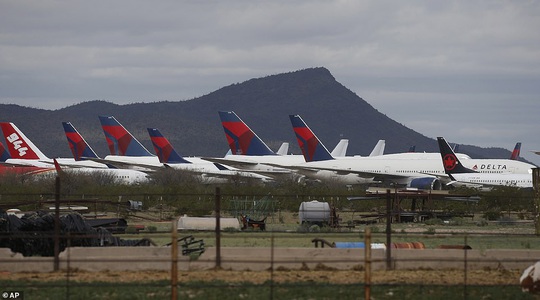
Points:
467	70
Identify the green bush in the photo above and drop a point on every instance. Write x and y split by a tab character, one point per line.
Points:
482	223
434	221
492	215
457	221
315	228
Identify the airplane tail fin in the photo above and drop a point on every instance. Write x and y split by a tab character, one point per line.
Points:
283	149
164	150
516	152
312	148
451	163
242	140
4	155
120	141
19	146
341	148
79	147
378	149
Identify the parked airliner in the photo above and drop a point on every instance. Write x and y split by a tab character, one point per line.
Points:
11	169
121	176
254	154
128	152
209	172
462	175
419	170
25	153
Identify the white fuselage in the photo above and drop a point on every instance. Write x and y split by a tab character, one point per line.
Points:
360	170
505	179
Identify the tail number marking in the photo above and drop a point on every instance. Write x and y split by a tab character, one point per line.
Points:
16	142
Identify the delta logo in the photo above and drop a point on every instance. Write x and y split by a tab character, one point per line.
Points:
489	167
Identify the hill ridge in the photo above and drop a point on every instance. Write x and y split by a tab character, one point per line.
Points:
193	127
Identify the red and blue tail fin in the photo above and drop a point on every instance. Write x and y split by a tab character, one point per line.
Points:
4	155
164	150
18	145
312	148
516	152
120	141
451	163
242	140
79	147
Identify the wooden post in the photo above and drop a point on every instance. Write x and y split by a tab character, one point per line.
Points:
536	187
218	228
367	264
57	224
388	230
174	260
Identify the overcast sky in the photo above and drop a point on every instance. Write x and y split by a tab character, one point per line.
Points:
465	70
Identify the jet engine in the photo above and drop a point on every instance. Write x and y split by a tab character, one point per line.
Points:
426	183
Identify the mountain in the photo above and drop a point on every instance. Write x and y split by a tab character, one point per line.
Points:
194	128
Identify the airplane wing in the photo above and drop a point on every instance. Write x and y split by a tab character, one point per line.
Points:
246	165
232	163
75	164
126	165
16	164
222	172
341	171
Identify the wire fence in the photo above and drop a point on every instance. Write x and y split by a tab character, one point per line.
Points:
352	260
265	265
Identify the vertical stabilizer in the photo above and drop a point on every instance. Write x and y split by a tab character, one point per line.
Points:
242	140
4	155
164	150
120	141
341	148
451	163
312	148
79	147
283	149
516	152
379	148
18	145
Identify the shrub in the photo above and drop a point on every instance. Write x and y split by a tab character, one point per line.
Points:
434	221
492	215
457	221
314	228
482	223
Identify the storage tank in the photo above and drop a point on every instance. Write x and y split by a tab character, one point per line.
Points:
314	212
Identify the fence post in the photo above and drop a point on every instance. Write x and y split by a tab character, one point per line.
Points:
218	228
367	264
388	230
465	267
57	224
536	187
174	260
